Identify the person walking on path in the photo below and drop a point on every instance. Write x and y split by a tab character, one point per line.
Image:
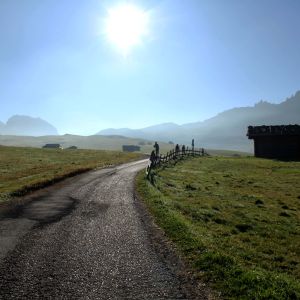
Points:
183	149
151	163
156	146
152	157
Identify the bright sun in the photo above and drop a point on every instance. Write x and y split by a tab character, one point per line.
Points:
125	26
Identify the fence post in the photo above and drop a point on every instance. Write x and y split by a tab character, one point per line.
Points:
171	155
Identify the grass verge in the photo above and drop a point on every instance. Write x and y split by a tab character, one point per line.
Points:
235	220
27	169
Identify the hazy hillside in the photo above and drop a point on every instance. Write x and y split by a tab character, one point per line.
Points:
25	125
160	132
226	130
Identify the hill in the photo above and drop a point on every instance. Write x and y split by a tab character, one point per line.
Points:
226	130
160	131
27	126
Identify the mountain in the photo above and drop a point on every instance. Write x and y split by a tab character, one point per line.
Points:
226	130
25	125
160	132
151	131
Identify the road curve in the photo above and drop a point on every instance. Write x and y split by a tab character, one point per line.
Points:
84	239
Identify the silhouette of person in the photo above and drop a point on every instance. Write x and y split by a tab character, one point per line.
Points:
183	149
193	144
156	146
152	157
177	148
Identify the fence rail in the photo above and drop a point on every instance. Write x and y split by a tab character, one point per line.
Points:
171	156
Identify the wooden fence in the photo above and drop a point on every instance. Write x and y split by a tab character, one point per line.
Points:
172	156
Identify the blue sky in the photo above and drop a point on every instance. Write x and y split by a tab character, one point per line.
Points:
198	59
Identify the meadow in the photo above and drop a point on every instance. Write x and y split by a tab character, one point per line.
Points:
94	142
98	142
235	220
25	169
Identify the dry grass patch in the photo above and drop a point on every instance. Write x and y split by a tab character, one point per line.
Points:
26	169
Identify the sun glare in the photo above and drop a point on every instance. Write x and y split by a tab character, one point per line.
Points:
125	26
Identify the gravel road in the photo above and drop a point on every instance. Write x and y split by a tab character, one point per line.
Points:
86	238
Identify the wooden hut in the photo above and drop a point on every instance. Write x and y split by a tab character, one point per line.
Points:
131	148
53	146
276	142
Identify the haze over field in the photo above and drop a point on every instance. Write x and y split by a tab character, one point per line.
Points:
91	65
226	130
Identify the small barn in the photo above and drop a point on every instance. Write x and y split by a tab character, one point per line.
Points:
276	141
131	148
53	146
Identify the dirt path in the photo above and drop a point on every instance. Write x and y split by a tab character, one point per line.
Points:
85	238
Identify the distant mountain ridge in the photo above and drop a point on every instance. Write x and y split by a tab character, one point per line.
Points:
27	126
150	132
227	130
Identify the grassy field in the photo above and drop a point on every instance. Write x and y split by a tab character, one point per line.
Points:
26	169
95	142
227	153
235	220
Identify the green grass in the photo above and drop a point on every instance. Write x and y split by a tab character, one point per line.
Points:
230	153
26	169
235	220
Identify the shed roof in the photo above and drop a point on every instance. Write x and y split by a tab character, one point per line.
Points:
273	130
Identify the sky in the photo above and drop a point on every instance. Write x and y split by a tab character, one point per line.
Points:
194	59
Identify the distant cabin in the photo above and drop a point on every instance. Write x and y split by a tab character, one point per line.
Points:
276	142
53	146
72	147
131	148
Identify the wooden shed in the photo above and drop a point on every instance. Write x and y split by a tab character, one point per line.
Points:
131	148
276	141
53	146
